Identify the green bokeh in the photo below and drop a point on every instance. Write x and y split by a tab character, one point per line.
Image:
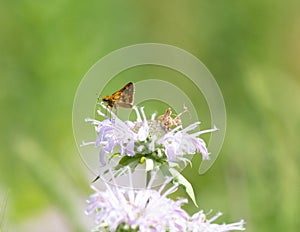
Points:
252	48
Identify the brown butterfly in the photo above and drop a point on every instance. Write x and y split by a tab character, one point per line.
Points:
122	98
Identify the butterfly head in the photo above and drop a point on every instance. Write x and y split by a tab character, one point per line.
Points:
108	100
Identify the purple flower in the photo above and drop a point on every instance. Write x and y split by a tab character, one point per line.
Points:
111	134
147	137
148	210
140	210
199	223
178	142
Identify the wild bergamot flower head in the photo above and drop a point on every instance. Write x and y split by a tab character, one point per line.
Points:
148	138
137	210
145	210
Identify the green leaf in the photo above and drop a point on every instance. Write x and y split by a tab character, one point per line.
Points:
165	169
130	161
185	184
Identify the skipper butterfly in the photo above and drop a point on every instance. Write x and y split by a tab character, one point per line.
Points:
121	98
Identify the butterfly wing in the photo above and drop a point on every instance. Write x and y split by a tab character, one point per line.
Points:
124	97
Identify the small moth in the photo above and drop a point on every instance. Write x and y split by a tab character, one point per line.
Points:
167	121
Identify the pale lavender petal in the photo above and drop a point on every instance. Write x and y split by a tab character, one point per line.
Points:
101	157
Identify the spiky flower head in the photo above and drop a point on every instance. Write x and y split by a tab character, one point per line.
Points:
148	210
148	139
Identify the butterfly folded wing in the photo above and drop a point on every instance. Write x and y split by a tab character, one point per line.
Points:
124	97
121	98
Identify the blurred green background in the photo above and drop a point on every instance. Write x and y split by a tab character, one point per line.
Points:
251	47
